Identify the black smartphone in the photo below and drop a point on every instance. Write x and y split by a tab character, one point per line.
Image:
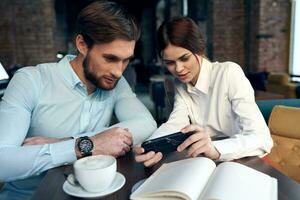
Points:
165	144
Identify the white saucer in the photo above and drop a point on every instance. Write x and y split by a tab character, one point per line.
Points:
78	191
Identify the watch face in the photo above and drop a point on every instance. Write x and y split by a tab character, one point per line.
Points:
86	145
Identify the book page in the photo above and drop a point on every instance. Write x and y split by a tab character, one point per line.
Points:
234	181
184	178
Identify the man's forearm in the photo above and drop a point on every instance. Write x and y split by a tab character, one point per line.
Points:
25	161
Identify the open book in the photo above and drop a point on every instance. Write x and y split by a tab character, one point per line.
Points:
200	179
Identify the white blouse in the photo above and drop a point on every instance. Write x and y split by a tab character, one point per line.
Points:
222	101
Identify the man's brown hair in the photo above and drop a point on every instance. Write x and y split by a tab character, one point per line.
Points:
103	21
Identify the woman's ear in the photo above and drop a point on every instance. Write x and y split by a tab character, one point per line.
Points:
81	45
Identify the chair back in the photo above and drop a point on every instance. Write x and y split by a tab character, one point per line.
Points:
279	83
284	125
266	106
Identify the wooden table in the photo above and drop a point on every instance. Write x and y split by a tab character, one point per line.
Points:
262	95
51	186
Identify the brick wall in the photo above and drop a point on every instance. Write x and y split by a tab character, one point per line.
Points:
27	32
254	34
273	35
257	38
228	32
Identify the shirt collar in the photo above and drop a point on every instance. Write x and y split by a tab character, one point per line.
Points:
67	71
203	81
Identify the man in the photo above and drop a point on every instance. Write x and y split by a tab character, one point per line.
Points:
55	113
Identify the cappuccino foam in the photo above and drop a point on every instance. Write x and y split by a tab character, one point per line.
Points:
95	163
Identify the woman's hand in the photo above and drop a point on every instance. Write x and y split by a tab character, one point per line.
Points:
198	143
148	159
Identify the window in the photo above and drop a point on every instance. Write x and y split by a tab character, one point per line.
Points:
295	41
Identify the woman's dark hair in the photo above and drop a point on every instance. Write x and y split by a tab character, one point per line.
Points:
102	22
182	32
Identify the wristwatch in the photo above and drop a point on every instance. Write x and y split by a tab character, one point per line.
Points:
85	146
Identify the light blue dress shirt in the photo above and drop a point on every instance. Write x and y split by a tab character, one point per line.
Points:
50	100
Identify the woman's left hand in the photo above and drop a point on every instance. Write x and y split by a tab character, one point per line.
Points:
199	142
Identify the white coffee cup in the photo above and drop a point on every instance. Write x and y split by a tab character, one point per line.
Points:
95	173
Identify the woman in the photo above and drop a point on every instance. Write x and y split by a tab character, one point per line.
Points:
216	97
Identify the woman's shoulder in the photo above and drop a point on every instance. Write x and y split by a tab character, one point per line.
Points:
227	67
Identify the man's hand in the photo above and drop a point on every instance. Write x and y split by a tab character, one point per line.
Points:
199	142
38	140
114	141
149	158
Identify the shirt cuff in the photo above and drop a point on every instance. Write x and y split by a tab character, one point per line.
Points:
63	153
225	149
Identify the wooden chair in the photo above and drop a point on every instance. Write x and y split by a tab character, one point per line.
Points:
284	124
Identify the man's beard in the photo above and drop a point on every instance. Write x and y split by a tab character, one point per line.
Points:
97	81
